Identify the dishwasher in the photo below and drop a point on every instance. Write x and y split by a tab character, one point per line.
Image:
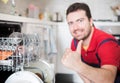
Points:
6	28
26	50
20	59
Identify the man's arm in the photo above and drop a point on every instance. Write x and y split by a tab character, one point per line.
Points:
105	74
85	80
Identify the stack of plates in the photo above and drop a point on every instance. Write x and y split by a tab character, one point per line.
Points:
44	69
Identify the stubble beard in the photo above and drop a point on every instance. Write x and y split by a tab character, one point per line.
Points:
85	36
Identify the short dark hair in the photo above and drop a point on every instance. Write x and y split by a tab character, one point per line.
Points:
79	6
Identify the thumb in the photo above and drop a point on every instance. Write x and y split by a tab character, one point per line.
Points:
79	46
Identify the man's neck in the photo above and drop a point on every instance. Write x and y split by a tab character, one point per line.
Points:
86	42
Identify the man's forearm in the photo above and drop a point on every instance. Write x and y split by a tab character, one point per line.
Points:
85	79
97	75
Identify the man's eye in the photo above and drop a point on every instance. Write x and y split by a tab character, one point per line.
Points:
80	20
70	23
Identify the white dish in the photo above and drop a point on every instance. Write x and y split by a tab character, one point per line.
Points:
43	68
23	77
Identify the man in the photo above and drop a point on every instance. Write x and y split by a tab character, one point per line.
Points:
95	62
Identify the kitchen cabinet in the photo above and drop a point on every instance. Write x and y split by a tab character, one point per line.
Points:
109	27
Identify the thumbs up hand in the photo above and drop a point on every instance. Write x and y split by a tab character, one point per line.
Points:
72	59
78	50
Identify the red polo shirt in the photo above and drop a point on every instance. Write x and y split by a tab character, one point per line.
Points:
108	53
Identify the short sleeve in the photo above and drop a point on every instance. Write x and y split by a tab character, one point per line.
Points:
109	54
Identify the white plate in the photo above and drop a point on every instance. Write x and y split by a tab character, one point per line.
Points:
23	77
44	68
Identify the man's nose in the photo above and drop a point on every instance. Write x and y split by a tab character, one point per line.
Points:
76	26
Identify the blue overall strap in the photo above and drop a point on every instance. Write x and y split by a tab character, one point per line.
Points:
75	42
106	40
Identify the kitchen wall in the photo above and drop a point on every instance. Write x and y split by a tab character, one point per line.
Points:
98	7
22	5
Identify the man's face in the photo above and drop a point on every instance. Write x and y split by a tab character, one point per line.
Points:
79	24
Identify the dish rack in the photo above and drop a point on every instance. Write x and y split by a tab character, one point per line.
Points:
16	53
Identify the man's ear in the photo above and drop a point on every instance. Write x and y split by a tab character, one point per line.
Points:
91	22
